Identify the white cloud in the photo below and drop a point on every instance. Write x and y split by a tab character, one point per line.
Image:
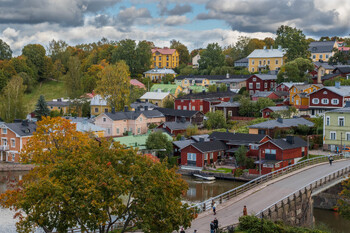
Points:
176	20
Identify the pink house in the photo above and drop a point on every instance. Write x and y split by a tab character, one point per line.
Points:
136	122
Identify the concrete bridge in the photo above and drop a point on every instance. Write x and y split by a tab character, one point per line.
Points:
283	195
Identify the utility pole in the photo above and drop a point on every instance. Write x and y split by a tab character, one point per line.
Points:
259	162
341	142
308	145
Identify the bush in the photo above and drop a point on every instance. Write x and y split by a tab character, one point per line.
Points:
238	172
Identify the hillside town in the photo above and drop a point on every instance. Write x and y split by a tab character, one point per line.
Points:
130	136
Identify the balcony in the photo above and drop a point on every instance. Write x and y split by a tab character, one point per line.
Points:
4	147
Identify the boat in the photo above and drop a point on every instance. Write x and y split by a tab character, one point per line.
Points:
204	177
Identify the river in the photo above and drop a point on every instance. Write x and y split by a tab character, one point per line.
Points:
198	191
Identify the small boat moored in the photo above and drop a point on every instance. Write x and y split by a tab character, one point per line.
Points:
204	177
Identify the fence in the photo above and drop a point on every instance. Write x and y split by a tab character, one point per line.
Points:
226	196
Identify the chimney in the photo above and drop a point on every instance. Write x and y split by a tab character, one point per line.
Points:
280	120
280	47
126	108
159	90
146	108
337	85
113	110
227	75
290	139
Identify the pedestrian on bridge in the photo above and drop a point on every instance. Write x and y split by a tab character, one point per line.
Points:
214	207
182	230
330	158
212	227
245	212
216	224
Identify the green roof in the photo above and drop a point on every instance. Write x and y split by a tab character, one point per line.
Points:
136	141
198	88
165	88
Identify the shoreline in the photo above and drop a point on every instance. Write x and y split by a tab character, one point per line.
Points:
6	167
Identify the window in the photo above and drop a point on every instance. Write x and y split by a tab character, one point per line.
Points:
297	102
160	58
321	56
4	131
179	107
324	101
211	155
347	136
341	121
51	107
276	62
267	151
185	107
108	131
333	135
259	63
273	152
327	120
154	58
230	113
315	101
159	64
201	108
271	85
138	130
265	85
327	56
167	64
205	156
254	146
140	119
13	142
104	119
167	58
257	85
106	109
13	156
191	157
155	64
313	56
254	79
250	85
268	62
253	69
117	130
193	108
335	101
253	62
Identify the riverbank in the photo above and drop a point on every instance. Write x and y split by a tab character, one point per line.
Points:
5	167
222	176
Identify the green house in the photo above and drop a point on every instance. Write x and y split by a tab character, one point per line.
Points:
172	88
336	128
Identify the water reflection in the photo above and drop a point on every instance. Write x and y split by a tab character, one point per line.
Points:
200	190
10	177
332	220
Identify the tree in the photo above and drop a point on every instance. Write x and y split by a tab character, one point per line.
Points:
262	103
168	79
114	85
339	57
222	87
241	156
184	55
135	93
41	108
191	130
212	57
116	184
294	41
3	80
247	107
11	100
343	202
159	141
212	88
73	79
215	120
35	54
169	103
5	51
295	71
57	50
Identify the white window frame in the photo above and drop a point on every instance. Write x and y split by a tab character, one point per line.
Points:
335	101
276	61
328	120
257	85
13	142
347	137
191	157
265	85
117	130
250	85
335	135
325	101
104	119
315	101
341	118
211	155
108	131
254	79
4	130
206	156
13	157
253	62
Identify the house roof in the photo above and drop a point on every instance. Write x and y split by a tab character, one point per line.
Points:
228	104
226	136
305	86
210	146
132	115
266	76
86	126
323	64
290	84
281	93
22	129
208	95
175	112
242	60
262	94
342	90
138	141
173	125
197	88
233	80
213	77
155	95
321	46
183	143
282	123
150	106
59	103
342	69
284	145
164	88
341	110
277	108
198	137
329	76
267	53
137	83
160	71
165	51
98	100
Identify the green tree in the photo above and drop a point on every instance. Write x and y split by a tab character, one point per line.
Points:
5	51
117	185
241	156
3	80
184	55
135	93
35	54
11	100
247	107
212	88
114	85
215	120
73	79
212	57
158	141
294	41
223	87
168	79
295	71
57	50
41	108
191	130
262	103
339	57
169	103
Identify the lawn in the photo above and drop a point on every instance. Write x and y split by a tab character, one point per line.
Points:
220	170
49	89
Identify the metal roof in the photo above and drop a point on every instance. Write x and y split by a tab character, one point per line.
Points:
321	46
155	95
160	71
267	53
282	123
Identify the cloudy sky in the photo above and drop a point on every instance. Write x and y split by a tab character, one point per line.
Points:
195	23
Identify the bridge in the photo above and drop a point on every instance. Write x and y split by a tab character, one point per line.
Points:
272	195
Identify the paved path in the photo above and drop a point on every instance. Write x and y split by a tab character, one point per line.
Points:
263	196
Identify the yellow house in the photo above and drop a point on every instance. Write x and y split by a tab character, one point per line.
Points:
322	50
157	98
300	100
303	88
98	105
156	75
266	59
165	58
195	81
60	105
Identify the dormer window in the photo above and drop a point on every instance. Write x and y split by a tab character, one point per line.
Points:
4	131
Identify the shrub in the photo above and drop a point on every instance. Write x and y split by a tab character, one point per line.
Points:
238	172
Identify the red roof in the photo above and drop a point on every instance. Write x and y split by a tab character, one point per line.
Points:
137	83
165	51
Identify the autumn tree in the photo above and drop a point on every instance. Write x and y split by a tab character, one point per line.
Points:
41	108
117	185
159	142
184	55
294	41
73	78
5	50
11	100
114	85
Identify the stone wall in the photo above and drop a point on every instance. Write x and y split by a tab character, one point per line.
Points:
296	210
328	198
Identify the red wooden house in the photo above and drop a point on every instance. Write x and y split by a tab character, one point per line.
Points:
279	153
266	112
260	82
175	127
265	94
202	153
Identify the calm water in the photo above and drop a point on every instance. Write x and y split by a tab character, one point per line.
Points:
332	220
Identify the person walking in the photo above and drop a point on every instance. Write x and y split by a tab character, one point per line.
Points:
182	230
214	208
212	227
245	212
216	224
330	158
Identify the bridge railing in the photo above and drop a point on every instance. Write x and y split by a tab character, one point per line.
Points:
226	196
310	186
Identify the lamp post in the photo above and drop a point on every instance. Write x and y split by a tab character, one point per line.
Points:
259	162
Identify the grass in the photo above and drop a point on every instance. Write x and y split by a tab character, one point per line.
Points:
310	157
220	170
49	89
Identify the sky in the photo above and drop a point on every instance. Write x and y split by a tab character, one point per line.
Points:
194	23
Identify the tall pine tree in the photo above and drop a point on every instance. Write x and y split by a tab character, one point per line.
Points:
41	108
